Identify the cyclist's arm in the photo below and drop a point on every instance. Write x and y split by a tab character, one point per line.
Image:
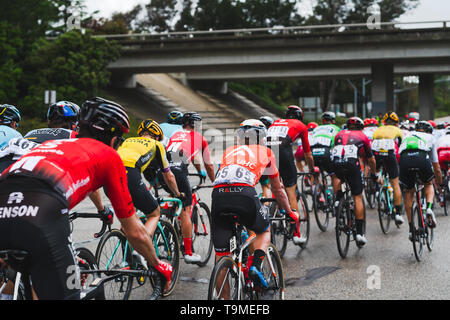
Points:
307	149
97	200
207	161
279	193
436	167
171	182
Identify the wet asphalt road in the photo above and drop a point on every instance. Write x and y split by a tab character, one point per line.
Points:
384	269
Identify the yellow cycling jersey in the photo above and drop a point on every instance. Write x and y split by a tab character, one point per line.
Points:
387	132
139	152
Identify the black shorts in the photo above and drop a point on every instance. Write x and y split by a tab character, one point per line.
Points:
389	163
181	174
141	196
322	158
350	171
284	156
415	164
37	221
242	202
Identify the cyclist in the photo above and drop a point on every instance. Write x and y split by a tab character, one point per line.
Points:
418	156
386	141
234	192
172	125
280	138
322	141
370	125
137	153
62	120
39	189
185	147
9	121
443	150
264	181
349	145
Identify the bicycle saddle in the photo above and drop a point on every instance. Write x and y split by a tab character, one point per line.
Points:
15	258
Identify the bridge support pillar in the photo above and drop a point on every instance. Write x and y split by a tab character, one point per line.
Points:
426	96
123	80
382	88
209	85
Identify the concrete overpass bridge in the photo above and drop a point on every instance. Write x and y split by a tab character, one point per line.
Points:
313	52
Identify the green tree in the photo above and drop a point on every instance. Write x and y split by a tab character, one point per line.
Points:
10	71
74	65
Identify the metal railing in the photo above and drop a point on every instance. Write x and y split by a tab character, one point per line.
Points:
271	31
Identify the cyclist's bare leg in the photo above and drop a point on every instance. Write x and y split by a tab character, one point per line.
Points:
429	191
292	197
152	221
395	183
359	207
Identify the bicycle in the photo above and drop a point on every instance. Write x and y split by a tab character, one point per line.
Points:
385	200
114	251
346	222
421	233
229	277
322	195
201	222
370	192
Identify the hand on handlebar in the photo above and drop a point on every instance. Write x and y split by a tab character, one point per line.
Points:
107	215
182	197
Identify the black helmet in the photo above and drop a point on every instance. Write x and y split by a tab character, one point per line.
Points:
425	126
294	112
266	120
355	123
9	113
63	111
174	117
189	118
104	117
328	116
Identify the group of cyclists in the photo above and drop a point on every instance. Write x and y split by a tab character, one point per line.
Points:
48	171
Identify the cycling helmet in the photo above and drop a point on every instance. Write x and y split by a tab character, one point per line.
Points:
355	123
425	126
267	121
189	118
374	122
9	113
328	116
63	111
447	131
174	117
391	116
104	117
294	112
152	127
413	116
312	125
440	126
252	131
366	122
433	124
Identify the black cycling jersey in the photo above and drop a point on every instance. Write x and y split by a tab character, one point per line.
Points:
45	134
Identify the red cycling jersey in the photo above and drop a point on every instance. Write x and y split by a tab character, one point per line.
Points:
77	167
288	131
187	144
356	138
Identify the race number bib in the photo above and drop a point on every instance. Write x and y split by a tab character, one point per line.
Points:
323	141
277	132
383	145
235	174
345	152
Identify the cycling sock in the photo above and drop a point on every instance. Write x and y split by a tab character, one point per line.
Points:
359	227
429	205
258	257
187	246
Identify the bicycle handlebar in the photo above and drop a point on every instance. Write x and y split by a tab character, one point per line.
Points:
105	218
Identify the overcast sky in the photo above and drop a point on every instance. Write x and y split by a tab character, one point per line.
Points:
428	10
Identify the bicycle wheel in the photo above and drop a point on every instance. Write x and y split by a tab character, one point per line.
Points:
445	196
114	253
384	214
167	247
224	283
304	219
202	242
86	261
370	193
273	272
417	232
279	229
321	210
343	229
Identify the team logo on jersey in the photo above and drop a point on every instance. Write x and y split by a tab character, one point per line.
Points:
241	151
15	197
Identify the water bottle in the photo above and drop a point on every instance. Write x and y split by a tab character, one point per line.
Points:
244	235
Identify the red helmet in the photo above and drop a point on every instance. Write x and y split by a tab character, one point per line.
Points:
374	122
433	124
366	122
312	125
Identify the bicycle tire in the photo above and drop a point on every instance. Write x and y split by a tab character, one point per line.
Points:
342	228
445	195
225	272
370	193
319	209
279	229
88	262
384	215
167	247
110	255
416	234
202	242
275	278
353	217
304	218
